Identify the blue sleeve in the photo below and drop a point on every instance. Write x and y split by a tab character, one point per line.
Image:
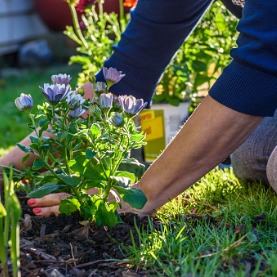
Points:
156	31
249	83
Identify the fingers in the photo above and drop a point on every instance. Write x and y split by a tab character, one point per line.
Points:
48	200
46	211
48	204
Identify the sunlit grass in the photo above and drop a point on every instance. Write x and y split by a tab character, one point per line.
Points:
219	227
13	125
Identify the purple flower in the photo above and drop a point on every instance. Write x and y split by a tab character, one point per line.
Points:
61	79
106	100
55	93
24	102
76	113
130	105
112	75
117	119
74	100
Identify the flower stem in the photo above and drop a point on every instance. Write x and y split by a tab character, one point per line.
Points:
77	26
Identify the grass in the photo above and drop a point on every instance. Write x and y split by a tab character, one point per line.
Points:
218	227
13	125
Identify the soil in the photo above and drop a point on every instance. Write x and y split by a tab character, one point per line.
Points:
65	246
62	246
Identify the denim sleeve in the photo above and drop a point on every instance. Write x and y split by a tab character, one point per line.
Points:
155	32
249	83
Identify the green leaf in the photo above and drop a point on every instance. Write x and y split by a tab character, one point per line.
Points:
201	79
174	101
134	197
133	162
44	190
127	174
24	148
121	181
84	167
69	205
25	158
38	164
88	207
95	131
72	181
3	212
34	139
106	215
90	154
16	208
95	172
77	164
252	237
137	137
133	166
159	98
62	135
199	66
43	125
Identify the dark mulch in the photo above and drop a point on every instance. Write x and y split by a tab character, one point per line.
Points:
62	246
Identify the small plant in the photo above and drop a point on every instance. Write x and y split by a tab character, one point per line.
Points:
83	144
200	60
95	32
10	213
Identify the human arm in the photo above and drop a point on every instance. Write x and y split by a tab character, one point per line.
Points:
156	31
15	155
211	134
250	94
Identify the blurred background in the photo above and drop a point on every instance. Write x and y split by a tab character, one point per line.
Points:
32	48
38	39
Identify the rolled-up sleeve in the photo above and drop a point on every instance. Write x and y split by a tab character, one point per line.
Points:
249	83
156	31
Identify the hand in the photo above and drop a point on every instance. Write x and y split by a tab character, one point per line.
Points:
50	203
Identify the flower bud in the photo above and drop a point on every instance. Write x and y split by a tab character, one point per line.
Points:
61	79
117	119
74	101
100	87
95	111
24	102
106	100
130	105
76	113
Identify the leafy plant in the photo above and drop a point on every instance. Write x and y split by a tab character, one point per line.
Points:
95	35
83	145
10	214
200	59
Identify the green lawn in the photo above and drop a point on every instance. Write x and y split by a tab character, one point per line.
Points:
13	125
219	227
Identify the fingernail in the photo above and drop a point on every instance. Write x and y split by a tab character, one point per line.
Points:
31	202
37	210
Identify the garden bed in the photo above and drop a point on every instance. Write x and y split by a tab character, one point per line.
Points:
219	227
61	246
